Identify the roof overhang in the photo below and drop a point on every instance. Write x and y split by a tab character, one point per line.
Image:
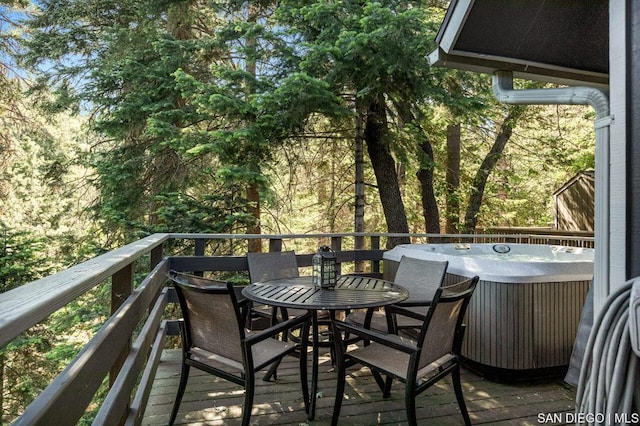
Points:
558	41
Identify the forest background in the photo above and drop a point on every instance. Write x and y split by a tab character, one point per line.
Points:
122	119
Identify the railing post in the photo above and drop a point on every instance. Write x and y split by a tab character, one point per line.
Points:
121	286
358	244
121	289
375	245
336	246
199	247
275	244
156	256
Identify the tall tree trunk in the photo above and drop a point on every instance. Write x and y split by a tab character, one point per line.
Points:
425	177
488	164
358	221
253	196
430	211
453	179
253	193
384	168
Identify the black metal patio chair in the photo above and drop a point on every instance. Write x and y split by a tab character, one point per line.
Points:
420	363
214	338
270	266
421	278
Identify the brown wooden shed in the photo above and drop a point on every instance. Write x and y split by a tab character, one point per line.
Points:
575	203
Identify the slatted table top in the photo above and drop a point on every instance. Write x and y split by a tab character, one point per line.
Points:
351	292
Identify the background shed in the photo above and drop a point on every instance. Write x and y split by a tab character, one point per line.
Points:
575	203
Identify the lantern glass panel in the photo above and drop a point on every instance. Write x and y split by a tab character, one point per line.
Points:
316	263
324	264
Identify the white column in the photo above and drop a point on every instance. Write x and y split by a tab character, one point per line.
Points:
618	137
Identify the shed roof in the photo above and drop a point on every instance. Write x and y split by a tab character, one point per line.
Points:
584	174
559	41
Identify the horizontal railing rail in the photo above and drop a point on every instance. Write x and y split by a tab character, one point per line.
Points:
127	348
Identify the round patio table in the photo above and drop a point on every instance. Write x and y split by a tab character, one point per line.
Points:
350	292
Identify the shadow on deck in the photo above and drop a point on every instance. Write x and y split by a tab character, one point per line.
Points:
212	401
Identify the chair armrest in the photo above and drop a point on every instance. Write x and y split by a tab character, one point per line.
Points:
279	328
244	302
389	340
413	303
398	310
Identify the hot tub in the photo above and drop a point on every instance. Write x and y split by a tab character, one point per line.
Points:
524	314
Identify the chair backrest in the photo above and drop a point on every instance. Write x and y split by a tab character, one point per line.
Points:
272	265
212	319
442	330
421	278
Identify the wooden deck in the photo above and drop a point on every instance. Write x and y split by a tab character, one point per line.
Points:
213	401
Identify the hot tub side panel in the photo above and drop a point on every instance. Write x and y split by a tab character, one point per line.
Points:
524	326
518	327
499	326
389	269
557	308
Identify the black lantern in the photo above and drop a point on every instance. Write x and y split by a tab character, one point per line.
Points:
325	268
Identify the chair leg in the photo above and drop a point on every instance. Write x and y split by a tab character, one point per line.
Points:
340	366
285	317
386	392
337	405
392	325
272	372
273	369
332	345
379	380
410	403
457	386
249	389
184	377
304	378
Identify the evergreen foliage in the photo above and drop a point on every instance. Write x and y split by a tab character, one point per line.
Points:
163	116
194	101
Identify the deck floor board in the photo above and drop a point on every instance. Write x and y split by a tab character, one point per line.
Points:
209	400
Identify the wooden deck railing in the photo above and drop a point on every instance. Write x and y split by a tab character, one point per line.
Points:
127	347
